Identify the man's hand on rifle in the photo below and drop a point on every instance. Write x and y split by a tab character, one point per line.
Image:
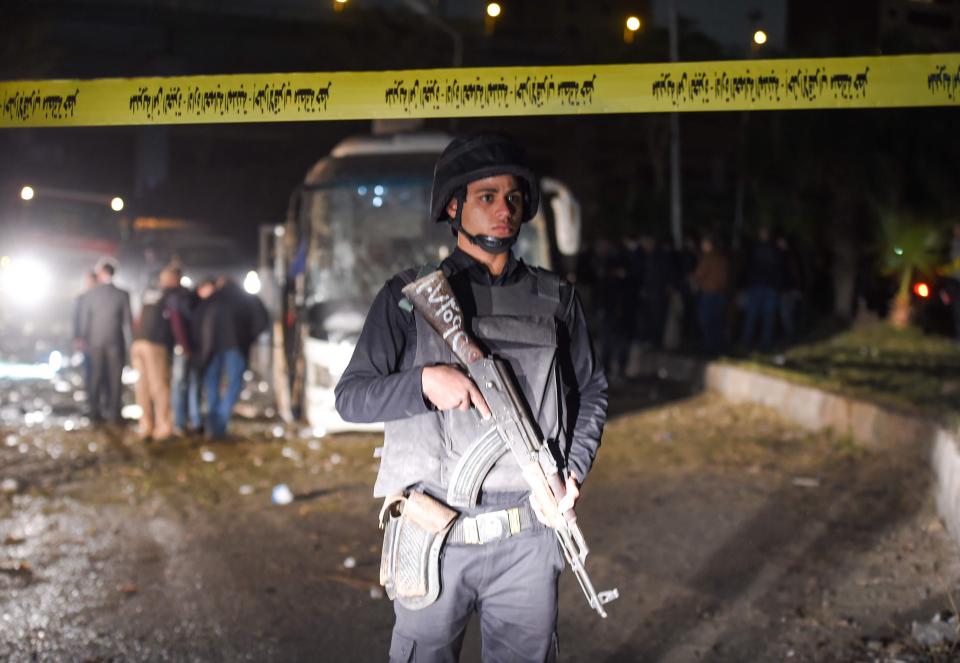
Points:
565	504
448	388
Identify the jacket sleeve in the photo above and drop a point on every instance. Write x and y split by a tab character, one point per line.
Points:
127	319
175	309
195	329
375	386
584	377
261	318
79	323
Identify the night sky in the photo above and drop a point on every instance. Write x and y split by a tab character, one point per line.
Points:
731	22
239	176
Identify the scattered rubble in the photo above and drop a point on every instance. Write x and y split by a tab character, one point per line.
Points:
16	568
942	629
282	494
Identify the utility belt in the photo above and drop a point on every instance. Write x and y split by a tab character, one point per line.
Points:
416	526
492	526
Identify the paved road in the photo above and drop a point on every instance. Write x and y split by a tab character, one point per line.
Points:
732	536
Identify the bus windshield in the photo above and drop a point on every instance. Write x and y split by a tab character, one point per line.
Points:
365	232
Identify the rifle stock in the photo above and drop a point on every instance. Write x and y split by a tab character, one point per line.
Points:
433	298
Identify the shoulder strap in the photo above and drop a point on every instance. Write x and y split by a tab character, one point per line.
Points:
548	286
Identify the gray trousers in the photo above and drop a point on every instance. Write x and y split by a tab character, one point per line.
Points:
510	584
105	397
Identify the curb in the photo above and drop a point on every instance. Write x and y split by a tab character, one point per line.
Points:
869	425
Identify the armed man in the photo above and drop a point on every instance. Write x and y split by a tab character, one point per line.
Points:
466	527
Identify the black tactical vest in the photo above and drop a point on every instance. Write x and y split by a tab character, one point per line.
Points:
517	323
154	325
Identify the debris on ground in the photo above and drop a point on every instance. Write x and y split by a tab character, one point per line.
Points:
941	630
282	494
695	494
16	568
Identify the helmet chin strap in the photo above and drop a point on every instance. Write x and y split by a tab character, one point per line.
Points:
492	245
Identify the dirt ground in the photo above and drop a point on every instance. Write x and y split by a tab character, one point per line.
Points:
731	535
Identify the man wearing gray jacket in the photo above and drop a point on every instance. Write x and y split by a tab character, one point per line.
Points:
106	327
499	557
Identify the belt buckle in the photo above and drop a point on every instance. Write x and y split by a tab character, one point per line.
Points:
489	526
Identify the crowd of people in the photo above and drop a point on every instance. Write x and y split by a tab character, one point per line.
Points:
188	348
702	297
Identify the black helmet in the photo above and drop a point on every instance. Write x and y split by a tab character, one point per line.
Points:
475	157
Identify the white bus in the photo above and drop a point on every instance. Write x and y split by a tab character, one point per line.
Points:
360	216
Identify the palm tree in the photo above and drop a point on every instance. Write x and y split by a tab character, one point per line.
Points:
908	246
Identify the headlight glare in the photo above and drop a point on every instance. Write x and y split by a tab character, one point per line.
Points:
26	281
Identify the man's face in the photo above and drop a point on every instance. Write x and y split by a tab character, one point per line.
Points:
204	290
494	207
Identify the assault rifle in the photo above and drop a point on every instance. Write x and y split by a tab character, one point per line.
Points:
512	430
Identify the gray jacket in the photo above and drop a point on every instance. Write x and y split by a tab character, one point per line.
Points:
105	319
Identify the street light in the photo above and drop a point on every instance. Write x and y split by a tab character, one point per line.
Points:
493	12
759	39
42	192
632	25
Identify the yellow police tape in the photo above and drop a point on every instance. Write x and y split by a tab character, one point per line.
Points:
864	82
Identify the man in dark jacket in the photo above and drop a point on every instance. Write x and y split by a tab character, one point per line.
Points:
180	305
657	275
500	559
763	279
226	324
105	325
79	342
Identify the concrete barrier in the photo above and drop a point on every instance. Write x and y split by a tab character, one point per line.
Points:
946	467
867	423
